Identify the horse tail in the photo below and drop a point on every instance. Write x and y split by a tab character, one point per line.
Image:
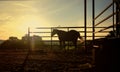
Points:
80	37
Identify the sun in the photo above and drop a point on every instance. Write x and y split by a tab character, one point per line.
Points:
19	26
31	22
25	22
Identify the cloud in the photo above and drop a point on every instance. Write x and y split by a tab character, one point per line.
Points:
22	5
56	6
5	18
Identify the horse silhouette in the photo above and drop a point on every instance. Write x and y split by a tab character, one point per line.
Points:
63	36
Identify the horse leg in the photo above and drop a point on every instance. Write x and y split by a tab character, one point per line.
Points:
60	44
75	44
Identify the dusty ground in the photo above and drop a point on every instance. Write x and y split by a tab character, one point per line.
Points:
44	61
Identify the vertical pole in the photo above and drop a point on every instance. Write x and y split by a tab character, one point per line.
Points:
68	41
113	18
85	21
29	43
93	29
51	38
93	24
28	53
117	18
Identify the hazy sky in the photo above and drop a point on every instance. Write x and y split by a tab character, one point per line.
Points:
17	15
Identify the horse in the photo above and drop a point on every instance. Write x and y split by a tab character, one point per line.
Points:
63	36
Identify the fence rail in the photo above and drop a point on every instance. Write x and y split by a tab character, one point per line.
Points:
96	25
104	10
45	32
86	32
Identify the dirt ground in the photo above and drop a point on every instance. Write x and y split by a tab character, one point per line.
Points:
44	60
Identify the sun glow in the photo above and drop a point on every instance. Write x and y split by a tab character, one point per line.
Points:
19	27
30	21
17	16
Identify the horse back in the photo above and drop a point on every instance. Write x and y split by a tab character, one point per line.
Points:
72	35
68	36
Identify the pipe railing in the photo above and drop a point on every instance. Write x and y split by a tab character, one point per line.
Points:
103	11
111	15
45	32
108	17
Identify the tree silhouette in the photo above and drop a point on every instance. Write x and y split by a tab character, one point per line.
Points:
13	43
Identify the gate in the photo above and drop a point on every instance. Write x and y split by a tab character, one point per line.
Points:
105	57
115	4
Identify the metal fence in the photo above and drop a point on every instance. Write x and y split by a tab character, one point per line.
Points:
111	27
45	33
89	33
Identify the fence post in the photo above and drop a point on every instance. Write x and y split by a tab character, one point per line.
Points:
28	53
85	21
51	38
117	17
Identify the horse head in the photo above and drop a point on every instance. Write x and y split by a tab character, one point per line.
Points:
54	31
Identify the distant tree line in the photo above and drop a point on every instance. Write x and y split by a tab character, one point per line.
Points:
15	43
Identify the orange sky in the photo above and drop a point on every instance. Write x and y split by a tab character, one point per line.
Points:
16	16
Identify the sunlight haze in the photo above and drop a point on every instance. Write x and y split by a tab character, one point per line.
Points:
17	15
